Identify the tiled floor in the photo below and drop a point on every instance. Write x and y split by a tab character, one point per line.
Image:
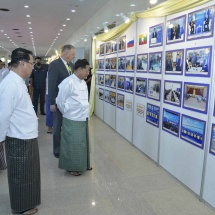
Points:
123	182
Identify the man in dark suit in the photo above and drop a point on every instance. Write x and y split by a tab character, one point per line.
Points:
58	70
154	34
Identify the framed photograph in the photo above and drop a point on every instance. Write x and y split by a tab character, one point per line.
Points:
120	101
196	97
212	143
121	83
176	30
200	23
97	50
198	61
102	50
193	130
113	63
107	96
141	86
100	79
155	62
101	93
97	65
142	62
171	122
121	64
154	87
152	114
174	62
110	81
107	64
107	80
156	36
97	79
108	48
129	84
101	64
129	63
112	98
140	109
172	92
122	44
113	46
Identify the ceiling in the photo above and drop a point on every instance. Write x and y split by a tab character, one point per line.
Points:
47	18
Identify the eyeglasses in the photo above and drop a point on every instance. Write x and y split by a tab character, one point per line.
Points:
29	62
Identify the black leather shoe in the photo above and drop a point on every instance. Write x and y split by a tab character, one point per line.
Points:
43	113
56	155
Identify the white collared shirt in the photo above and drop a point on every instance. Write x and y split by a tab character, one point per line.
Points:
72	99
17	116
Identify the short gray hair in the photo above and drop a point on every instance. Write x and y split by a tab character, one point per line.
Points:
67	47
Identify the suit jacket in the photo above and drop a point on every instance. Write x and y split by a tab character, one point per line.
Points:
57	72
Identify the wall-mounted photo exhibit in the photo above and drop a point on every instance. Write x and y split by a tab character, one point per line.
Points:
97	50
122	44
97	79
107	96
176	30
110	81
200	23
156	35
171	122
142	62
129	84
97	65
196	97
141	86
121	64
113	46
107	64
108	47
101	93
198	61
143	39
113	98
130	63
155	62
100	79
102	49
101	64
172	92
120	101
193	130
121	83
174	62
152	114
154	87
113	63
212	143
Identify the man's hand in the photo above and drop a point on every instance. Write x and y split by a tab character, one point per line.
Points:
52	108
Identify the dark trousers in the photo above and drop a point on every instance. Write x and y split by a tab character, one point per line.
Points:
39	93
57	124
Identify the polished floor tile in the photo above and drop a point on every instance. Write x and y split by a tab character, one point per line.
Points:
123	181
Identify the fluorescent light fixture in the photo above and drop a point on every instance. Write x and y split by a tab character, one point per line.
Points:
68	19
153	1
26	6
73	11
85	39
125	18
133	5
28	16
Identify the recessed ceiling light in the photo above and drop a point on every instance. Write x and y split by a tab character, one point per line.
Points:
8	37
117	14
73	11
26	6
31	35
2	30
29	23
58	34
28	16
98	27
31	32
5	34
30	28
68	19
133	5
64	25
61	29
153	1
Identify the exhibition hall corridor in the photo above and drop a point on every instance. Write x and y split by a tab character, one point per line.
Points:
123	181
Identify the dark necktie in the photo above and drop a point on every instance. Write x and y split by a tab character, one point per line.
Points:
69	68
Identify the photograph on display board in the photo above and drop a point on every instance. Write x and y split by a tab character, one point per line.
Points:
121	83
155	62
154	87
97	65
97	79
143	39
176	30
142	62
107	96
110	81
97	50
100	79
121	64
107	63
141	86
156	35
171	122
120	101
108	47
172	92
101	64
112	98
129	84
113	63
198	61
101	93
200	23
113	46
130	63
122	44
192	130
102	49
212	143
174	62
196	97
152	114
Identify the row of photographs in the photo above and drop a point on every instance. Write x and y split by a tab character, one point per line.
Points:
197	62
199	25
195	95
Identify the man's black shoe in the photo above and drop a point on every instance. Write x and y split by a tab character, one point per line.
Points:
43	113
56	155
